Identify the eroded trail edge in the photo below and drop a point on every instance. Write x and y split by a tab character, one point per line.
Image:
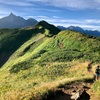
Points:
80	88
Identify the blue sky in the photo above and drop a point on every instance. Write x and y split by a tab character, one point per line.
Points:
83	13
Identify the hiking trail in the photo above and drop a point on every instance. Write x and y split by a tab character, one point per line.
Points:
81	88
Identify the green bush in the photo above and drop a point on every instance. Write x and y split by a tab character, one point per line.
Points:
61	55
20	66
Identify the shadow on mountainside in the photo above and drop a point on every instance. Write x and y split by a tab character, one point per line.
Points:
65	92
58	95
77	90
9	46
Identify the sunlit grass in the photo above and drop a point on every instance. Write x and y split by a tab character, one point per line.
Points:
37	80
47	63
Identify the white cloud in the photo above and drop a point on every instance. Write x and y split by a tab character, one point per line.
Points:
15	2
71	4
38	17
42	17
37	0
93	21
56	17
76	4
68	4
84	26
86	23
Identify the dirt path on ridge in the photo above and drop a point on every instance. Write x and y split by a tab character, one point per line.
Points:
65	92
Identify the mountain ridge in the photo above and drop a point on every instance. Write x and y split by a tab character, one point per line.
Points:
38	60
81	30
13	21
16	37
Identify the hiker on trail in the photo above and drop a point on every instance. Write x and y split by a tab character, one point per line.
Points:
97	73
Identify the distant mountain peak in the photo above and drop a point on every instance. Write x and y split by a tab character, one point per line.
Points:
11	14
43	22
13	21
81	30
53	30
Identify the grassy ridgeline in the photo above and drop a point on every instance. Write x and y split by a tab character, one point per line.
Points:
43	60
66	46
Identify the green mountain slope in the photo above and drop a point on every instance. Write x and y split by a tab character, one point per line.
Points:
66	46
45	56
12	39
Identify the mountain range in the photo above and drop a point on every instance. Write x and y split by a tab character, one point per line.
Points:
13	21
12	39
35	59
79	29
